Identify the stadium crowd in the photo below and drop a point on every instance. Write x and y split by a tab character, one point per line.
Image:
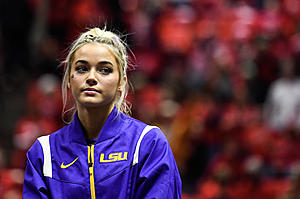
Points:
219	77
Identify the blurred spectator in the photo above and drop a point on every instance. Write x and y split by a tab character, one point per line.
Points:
282	107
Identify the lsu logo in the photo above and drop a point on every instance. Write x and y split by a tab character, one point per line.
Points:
114	157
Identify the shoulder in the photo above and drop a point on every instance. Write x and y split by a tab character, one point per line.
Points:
143	130
154	138
59	132
152	141
41	141
130	124
35	149
278	84
153	134
147	132
128	119
61	136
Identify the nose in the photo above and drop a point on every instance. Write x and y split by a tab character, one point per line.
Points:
91	79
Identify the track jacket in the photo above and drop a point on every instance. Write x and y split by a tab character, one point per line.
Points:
129	159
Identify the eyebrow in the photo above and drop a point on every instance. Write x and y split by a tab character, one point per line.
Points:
86	62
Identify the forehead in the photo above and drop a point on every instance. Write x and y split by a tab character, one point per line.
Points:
94	53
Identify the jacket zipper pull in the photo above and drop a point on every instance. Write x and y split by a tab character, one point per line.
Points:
90	154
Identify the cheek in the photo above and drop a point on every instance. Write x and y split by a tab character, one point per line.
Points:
112	83
74	82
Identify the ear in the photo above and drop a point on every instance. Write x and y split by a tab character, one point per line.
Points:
69	83
122	83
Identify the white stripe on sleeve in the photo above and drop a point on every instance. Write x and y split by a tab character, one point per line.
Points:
47	167
137	148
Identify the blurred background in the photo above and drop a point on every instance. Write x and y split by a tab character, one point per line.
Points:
219	77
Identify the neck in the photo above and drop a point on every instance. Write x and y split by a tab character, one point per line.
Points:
93	119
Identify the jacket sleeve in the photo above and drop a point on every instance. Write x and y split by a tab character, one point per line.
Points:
158	176
34	182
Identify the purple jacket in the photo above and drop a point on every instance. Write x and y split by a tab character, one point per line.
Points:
129	159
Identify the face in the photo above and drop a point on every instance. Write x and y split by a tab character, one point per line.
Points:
94	76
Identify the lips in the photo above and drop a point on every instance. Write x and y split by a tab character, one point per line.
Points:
90	90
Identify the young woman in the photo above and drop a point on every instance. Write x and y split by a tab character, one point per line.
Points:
102	153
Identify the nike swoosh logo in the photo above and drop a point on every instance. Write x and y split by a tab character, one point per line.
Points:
66	166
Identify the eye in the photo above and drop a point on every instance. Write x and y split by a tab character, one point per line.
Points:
81	69
105	70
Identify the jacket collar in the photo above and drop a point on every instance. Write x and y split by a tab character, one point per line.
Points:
109	130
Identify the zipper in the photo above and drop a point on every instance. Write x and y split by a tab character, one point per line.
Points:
91	170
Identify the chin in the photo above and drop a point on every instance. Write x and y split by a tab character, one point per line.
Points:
93	104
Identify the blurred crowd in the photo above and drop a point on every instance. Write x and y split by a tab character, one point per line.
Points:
219	77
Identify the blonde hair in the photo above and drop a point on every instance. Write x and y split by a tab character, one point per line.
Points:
117	47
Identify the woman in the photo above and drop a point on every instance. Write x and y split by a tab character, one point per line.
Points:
102	153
